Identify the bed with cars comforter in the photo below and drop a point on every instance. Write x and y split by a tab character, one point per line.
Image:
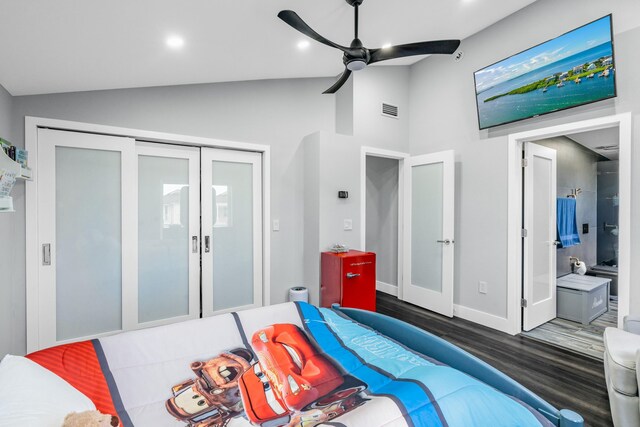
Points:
291	364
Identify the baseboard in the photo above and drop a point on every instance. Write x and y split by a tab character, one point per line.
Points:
489	320
387	288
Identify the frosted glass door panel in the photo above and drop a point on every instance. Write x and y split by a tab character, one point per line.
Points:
539	249
428	231
89	242
231	230
542	223
163	238
232	234
426	226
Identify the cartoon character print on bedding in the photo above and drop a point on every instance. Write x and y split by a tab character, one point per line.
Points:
212	398
290	384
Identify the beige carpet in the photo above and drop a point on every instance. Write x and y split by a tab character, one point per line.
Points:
585	339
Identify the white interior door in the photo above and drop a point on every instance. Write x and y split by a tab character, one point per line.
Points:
168	194
231	230
539	248
86	235
429	231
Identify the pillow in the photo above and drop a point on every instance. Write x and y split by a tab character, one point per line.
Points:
31	395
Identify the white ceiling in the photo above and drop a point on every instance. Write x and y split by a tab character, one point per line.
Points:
600	138
76	45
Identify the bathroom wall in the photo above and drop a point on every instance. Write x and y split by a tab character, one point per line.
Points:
577	168
607	211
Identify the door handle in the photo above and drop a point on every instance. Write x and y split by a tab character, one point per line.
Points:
46	254
556	242
194	244
445	241
352	275
207	247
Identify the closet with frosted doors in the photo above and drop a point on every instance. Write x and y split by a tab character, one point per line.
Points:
134	234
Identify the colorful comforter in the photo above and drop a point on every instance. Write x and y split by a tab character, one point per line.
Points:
284	365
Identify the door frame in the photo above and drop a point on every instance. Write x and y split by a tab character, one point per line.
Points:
400	157
32	124
514	205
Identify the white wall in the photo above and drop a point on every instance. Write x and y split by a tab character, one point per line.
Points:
359	106
443	116
6	106
278	112
382	216
11	243
373	86
332	163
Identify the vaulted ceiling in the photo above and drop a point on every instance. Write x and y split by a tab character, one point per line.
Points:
76	45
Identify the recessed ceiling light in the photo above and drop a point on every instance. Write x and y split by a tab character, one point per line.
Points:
386	46
175	42
303	44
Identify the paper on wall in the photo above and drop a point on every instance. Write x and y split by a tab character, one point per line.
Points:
7	180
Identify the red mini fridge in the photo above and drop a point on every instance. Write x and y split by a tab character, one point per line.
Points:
348	279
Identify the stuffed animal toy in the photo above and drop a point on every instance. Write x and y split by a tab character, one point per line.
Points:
90	419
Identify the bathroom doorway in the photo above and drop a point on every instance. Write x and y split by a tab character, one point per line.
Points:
585	239
518	305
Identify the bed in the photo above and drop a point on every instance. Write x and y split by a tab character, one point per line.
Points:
294	364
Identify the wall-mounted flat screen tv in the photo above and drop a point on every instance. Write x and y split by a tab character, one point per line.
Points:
573	69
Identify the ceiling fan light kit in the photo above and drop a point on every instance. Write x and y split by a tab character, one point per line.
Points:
356	57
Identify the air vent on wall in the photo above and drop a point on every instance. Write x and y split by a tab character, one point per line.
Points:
389	110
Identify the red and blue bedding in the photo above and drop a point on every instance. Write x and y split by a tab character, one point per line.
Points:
289	364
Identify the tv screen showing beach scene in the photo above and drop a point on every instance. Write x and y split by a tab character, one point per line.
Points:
573	69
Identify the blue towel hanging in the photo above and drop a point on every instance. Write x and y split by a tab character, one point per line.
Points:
567	224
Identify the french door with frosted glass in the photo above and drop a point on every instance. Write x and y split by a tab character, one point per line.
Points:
119	233
539	249
231	230
429	232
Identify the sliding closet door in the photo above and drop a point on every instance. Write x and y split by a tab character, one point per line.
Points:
168	233
87	260
232	230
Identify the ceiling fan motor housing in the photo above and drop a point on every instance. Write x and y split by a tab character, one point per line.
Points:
357	57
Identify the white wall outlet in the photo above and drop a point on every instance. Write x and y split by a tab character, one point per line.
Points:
348	224
482	287
276	225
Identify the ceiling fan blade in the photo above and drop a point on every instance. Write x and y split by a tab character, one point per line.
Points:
292	18
342	80
411	49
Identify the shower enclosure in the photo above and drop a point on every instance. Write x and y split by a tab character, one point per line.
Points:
608	202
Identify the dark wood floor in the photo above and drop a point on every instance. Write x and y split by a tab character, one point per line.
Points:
564	379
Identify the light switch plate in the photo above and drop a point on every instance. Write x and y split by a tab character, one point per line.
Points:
482	287
276	225
348	224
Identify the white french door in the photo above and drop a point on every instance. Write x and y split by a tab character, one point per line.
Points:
87	266
539	248
429	231
135	234
232	230
168	221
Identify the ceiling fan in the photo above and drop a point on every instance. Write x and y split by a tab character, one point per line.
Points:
356	56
